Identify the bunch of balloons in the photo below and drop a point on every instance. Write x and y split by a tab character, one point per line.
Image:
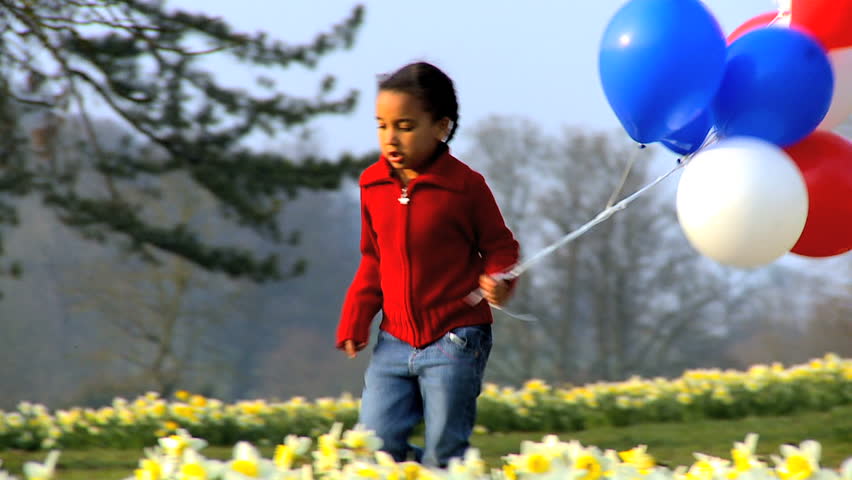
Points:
778	180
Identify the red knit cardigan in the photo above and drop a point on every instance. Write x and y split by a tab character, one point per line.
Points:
422	251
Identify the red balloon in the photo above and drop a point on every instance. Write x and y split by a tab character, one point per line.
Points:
761	20
825	160
828	20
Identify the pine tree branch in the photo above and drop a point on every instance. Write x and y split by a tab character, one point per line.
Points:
136	57
92	216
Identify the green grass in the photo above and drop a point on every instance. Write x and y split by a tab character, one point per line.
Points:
671	443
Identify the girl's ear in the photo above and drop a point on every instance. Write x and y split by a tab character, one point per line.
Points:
442	128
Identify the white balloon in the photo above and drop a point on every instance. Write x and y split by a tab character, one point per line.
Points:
841	99
742	202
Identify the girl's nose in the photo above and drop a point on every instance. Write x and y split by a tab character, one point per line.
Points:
392	137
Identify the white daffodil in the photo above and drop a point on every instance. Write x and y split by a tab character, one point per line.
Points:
194	466
175	445
846	469
470	467
707	467
361	442
535	464
361	470
798	463
5	475
550	452
588	463
385	459
42	471
247	464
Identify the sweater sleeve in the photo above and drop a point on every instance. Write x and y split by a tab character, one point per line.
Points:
496	243
364	296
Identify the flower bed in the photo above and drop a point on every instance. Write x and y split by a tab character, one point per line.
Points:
761	390
354	455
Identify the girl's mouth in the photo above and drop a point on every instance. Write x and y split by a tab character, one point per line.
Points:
395	157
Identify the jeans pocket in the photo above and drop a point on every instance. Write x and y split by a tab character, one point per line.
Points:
459	341
474	340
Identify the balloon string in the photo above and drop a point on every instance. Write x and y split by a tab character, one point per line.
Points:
624	176
782	18
601	217
516	271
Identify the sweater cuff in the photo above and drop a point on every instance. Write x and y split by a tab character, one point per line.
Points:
355	329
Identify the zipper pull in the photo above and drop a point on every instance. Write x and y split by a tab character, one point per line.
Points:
403	198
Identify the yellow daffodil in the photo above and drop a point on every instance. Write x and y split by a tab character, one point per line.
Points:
148	470
536	463
590	464
536	385
192	471
361	440
743	456
327	456
292	448
284	457
363	470
638	458
175	445
247	462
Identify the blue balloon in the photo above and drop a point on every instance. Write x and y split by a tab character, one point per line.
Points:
778	86
661	63
690	138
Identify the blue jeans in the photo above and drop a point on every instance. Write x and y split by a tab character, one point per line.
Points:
438	383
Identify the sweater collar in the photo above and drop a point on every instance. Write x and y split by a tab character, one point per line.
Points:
444	171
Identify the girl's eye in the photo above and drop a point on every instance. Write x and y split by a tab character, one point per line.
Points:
381	127
406	126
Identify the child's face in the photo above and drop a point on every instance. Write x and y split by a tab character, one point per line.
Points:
407	133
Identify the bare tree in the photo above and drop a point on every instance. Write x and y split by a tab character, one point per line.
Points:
815	321
630	296
511	152
159	316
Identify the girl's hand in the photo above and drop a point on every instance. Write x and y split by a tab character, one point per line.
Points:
351	348
494	291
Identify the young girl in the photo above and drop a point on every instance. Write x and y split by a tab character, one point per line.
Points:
431	233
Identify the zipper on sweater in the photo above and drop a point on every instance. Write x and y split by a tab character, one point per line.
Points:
404	200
